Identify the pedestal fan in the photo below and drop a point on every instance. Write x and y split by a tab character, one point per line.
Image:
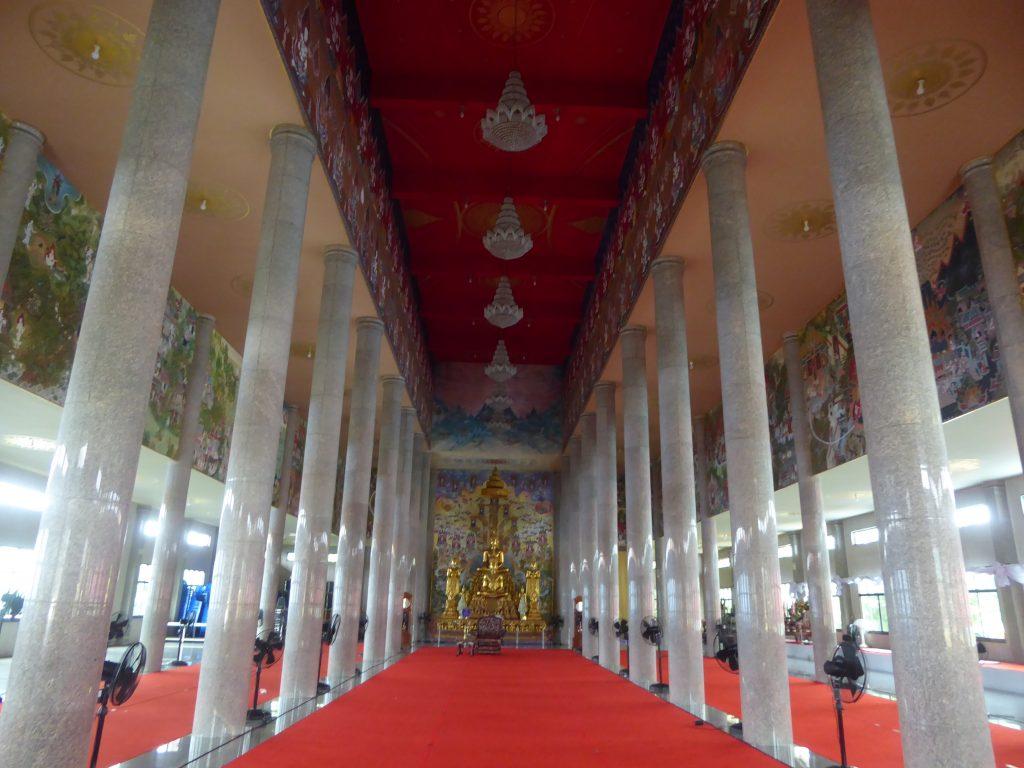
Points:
119	681
266	653
593	626
328	635
727	652
622	632
847	673
650	630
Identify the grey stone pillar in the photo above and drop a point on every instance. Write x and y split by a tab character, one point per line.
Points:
319	477
16	176
922	561
418	527
576	458
383	540
710	583
1000	270
62	637
424	554
278	517
166	560
849	599
355	499
1004	546
764	684
606	511
568	545
812	553
681	565
127	571
588	531
640	565
224	685
402	537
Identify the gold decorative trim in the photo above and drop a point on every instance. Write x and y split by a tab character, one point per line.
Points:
216	200
803	221
931	75
508	23
305	349
88	40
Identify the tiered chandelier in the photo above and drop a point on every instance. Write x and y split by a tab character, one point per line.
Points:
508	240
499	400
514	124
501	368
503	310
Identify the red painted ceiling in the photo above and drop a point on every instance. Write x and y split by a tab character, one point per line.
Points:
435	67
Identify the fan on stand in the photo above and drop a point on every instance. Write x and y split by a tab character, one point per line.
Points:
327	638
266	653
650	630
120	679
189	622
727	652
593	626
622	633
847	672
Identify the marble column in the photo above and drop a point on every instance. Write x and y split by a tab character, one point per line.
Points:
302	646
588	531
401	537
418	528
1004	546
424	554
16	176
640	565
383	540
355	499
711	586
606	511
681	564
764	684
1000	268
128	570
278	516
849	599
567	548
224	685
579	558
166	560
922	560
62	638
812	553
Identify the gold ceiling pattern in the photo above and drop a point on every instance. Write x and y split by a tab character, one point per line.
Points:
931	75
88	40
512	22
804	220
215	200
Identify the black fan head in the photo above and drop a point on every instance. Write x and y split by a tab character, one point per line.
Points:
650	629
267	648
330	631
592	625
120	679
847	671
118	623
622	628
727	652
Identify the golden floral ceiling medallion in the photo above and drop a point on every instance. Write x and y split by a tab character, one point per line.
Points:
805	220
931	75
703	362
88	40
242	286
512	22
215	200
305	349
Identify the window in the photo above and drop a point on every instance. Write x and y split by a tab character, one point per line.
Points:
786	550
723	562
837	613
983	604
830	542
17	568
194	577
872	604
863	536
142	589
196	538
974	514
725	596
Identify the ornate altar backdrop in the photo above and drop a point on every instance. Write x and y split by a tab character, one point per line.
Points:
458	532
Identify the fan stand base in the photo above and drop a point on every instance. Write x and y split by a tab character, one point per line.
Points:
322	688
736	729
178	663
595	658
258	716
624	672
658	688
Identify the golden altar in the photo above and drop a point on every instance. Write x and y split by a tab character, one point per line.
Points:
492	588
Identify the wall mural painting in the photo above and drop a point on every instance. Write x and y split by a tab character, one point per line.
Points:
458	532
473	414
41	311
322	50
298	447
717	481
1009	170
780	421
705	50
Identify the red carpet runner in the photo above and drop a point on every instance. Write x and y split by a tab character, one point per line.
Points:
531	708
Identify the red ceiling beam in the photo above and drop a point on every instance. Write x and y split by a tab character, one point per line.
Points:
412	185
472	99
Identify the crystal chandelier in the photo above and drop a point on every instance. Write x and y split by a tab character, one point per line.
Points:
500	401
503	311
513	125
508	240
501	368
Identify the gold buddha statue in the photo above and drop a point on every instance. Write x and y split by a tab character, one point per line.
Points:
493	590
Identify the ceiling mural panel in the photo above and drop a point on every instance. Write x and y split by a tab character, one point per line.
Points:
704	53
321	46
